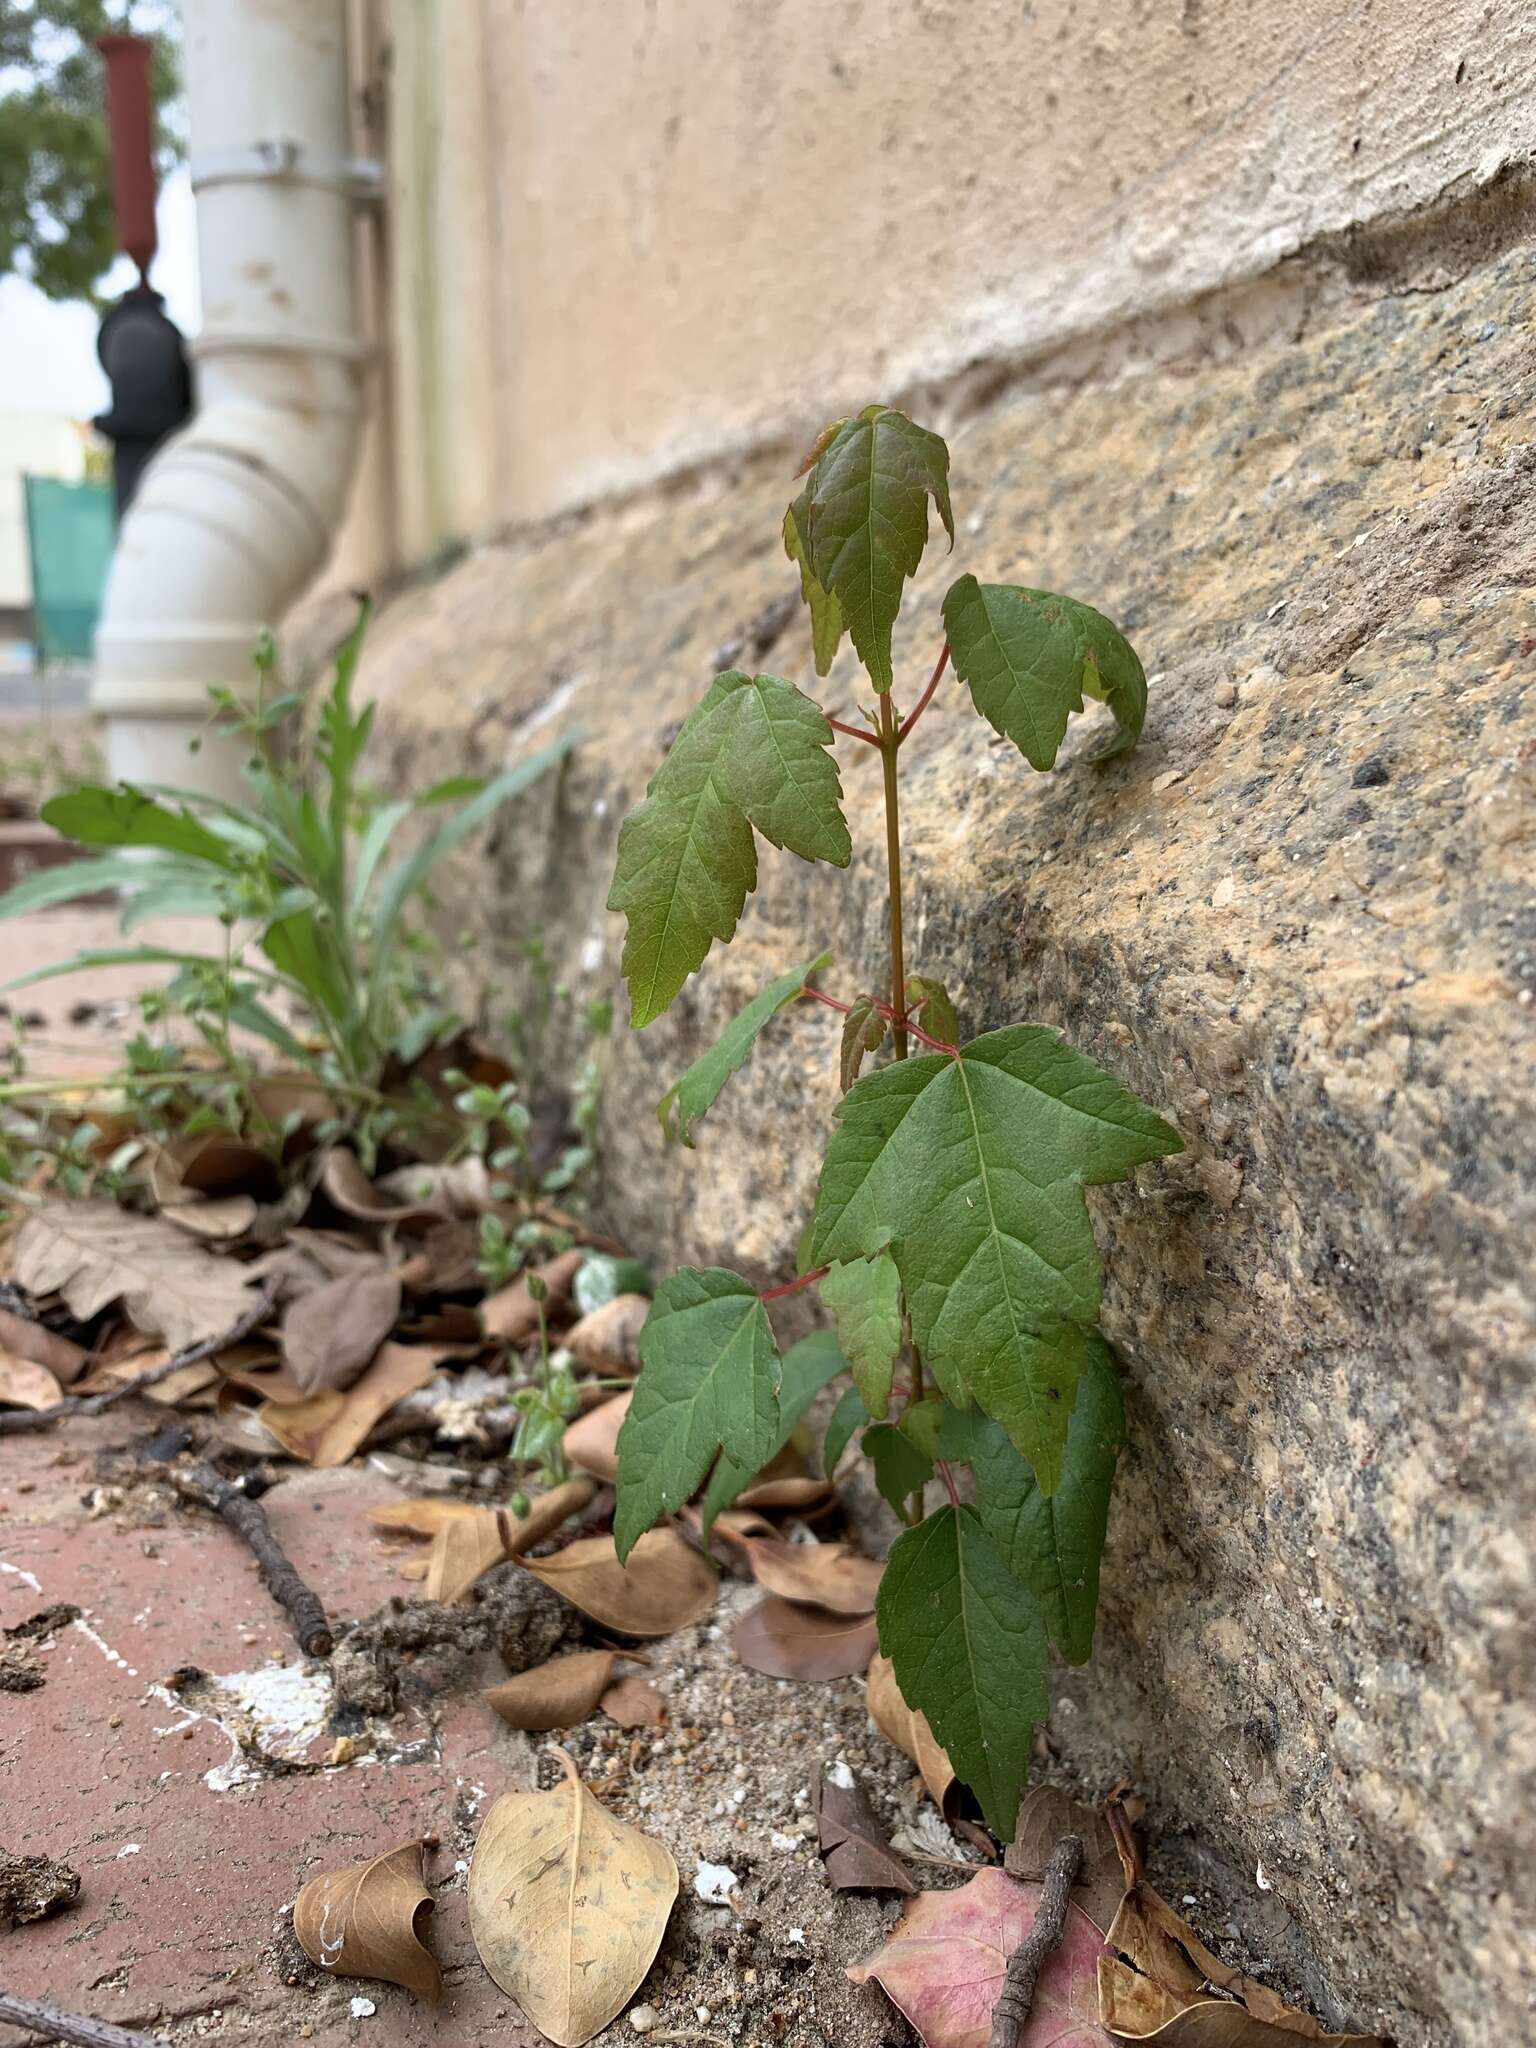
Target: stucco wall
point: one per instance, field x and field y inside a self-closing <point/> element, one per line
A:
<point x="627" y="237"/>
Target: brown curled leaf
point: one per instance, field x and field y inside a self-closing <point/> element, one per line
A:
<point x="368" y="1920"/>
<point x="853" y="1844"/>
<point x="785" y="1641"/>
<point x="665" y="1585"/>
<point x="561" y="1693"/>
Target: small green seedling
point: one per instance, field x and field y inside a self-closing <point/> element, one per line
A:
<point x="950" y="1239"/>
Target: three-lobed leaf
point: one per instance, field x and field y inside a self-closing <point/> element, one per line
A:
<point x="694" y="1094"/>
<point x="865" y="1299"/>
<point x="754" y="754"/>
<point x="970" y="1171"/>
<point x="863" y="520"/>
<point x="901" y="1466"/>
<point x="1029" y="657"/>
<point x="1052" y="1544"/>
<point x="826" y="613"/>
<point x="969" y="1650"/>
<point x="709" y="1384"/>
<point x="807" y="1367"/>
<point x="864" y="1030"/>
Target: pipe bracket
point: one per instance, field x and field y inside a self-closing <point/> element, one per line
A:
<point x="278" y="159"/>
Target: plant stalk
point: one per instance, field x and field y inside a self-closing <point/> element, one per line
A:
<point x="889" y="741"/>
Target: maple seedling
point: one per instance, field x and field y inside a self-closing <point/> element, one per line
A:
<point x="950" y="1238"/>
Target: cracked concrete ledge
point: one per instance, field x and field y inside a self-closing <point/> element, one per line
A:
<point x="1299" y="919"/>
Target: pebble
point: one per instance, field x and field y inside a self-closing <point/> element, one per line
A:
<point x="1226" y="694"/>
<point x="643" y="2018"/>
<point x="363" y="2008"/>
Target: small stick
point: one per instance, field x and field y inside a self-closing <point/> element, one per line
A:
<point x="248" y="1519"/>
<point x="72" y="2026"/>
<point x="1029" y="1958"/>
<point x="18" y="1421"/>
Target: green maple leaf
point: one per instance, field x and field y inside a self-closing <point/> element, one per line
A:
<point x="849" y="1414"/>
<point x="929" y="1001"/>
<point x="695" y="1093"/>
<point x="1052" y="1544"/>
<point x="864" y="1032"/>
<point x="863" y="517"/>
<point x="865" y="1298"/>
<point x="755" y="753"/>
<point x="970" y="1171"/>
<point x="808" y="1366"/>
<point x="901" y="1466"/>
<point x="969" y="1649"/>
<point x="709" y="1382"/>
<point x="1030" y="657"/>
<point x="826" y="612"/>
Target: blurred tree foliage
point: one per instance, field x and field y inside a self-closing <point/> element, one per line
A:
<point x="55" y="190"/>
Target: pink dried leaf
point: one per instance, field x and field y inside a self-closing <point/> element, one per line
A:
<point x="944" y="1967"/>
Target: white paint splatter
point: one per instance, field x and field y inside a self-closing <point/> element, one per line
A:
<point x="106" y="1649"/>
<point x="19" y="1572"/>
<point x="838" y="1774"/>
<point x="128" y="1849"/>
<point x="797" y="1937"/>
<point x="363" y="2008"/>
<point x="1261" y="1880"/>
<point x="714" y="1883"/>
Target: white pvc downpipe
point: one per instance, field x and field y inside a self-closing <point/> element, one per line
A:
<point x="237" y="512"/>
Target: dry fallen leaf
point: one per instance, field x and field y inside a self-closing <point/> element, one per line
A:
<point x="795" y="1489"/>
<point x="459" y="1188"/>
<point x="354" y="1194"/>
<point x="853" y="1844"/>
<point x="561" y="1693"/>
<point x="23" y="1339"/>
<point x="465" y="1547"/>
<point x="25" y="1384"/>
<point x="220" y="1219"/>
<point x="785" y="1641"/>
<point x="567" y="1906"/>
<point x="910" y="1733"/>
<point x="592" y="1440"/>
<point x="1156" y="1979"/>
<point x="1045" y="1816"/>
<point x="94" y="1254"/>
<point x="421" y="1517"/>
<point x="367" y="1921"/>
<point x="634" y="1703"/>
<point x="330" y="1334"/>
<point x="944" y="1965"/>
<point x="327" y="1428"/>
<point x="463" y="1551"/>
<point x="607" y="1339"/>
<point x="513" y="1314"/>
<point x="665" y="1585"/>
<point x="826" y="1575"/>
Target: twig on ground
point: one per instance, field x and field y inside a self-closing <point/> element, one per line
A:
<point x="248" y="1519"/>
<point x="37" y="2018"/>
<point x="19" y="1421"/>
<point x="1029" y="1958"/>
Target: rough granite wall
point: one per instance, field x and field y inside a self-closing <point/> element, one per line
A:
<point x="1301" y="919"/>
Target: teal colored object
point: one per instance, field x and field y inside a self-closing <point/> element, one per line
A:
<point x="70" y="535"/>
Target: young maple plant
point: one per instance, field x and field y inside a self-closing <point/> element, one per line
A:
<point x="950" y="1239"/>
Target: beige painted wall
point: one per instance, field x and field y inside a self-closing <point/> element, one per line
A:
<point x="627" y="235"/>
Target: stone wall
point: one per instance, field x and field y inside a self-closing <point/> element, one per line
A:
<point x="1300" y="919"/>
